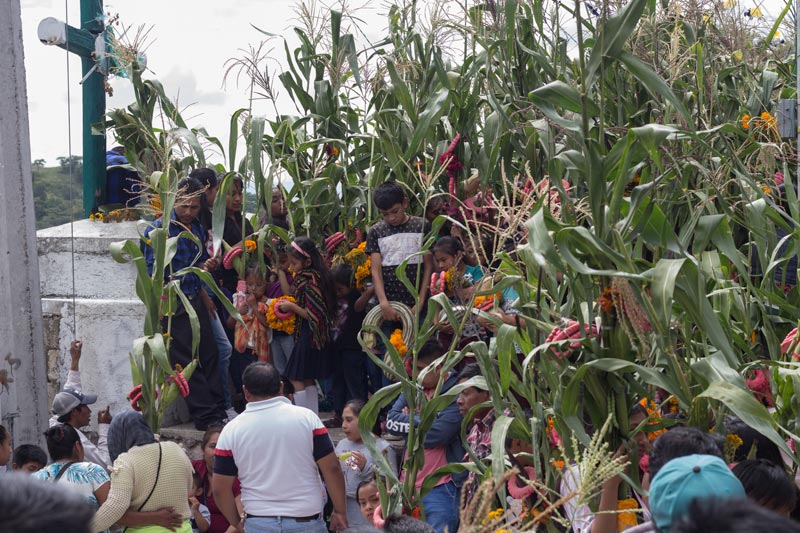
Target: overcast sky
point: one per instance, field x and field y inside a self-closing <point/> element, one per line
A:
<point x="189" y="44"/>
<point x="188" y="47"/>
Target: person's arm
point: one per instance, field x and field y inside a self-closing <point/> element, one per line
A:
<point x="74" y="375"/>
<point x="363" y="300"/>
<point x="118" y="500"/>
<point x="287" y="307"/>
<point x="446" y="427"/>
<point x="199" y="516"/>
<point x="334" y="482"/>
<point x="167" y="517"/>
<point x="398" y="419"/>
<point x="259" y="311"/>
<point x="286" y="287"/>
<point x="427" y="270"/>
<point x="605" y="520"/>
<point x="376" y="268"/>
<point x="225" y="471"/>
<point x="222" y="487"/>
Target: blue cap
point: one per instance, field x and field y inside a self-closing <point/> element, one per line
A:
<point x="685" y="479"/>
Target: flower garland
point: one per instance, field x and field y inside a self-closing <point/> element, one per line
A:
<point x="361" y="264"/>
<point x="278" y="320"/>
<point x="396" y="340"/>
<point x="654" y="417"/>
<point x="626" y="518"/>
<point x="485" y="302"/>
<point x="732" y="443"/>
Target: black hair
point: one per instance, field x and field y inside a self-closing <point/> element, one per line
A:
<point x="29" y="453"/>
<point x="449" y="245"/>
<point x="319" y="266"/>
<point x="355" y="405"/>
<point x="196" y="481"/>
<point x="714" y="515"/>
<point x="4" y="435"/>
<point x="254" y="270"/>
<point x="262" y="380"/>
<point x="205" y="176"/>
<point x="765" y="448"/>
<point x="342" y="275"/>
<point x="469" y="371"/>
<point x="369" y="481"/>
<point x="400" y="523"/>
<point x="61" y="441"/>
<point x="388" y="194"/>
<point x="188" y="186"/>
<point x="288" y="386"/>
<point x="767" y="484"/>
<point x="210" y="432"/>
<point x="679" y="442"/>
<point x="432" y="349"/>
<point x="65" y="511"/>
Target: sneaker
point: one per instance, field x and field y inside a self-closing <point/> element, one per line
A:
<point x="231" y="413"/>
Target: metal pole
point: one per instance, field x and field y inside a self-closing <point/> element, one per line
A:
<point x="94" y="109"/>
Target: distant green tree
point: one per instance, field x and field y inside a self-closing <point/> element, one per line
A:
<point x="38" y="163"/>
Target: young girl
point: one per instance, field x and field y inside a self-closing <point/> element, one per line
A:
<point x="368" y="499"/>
<point x="316" y="303"/>
<point x="350" y="376"/>
<point x="250" y="340"/>
<point x="356" y="461"/>
<point x="448" y="254"/>
<point x="280" y="349"/>
<point x="5" y="446"/>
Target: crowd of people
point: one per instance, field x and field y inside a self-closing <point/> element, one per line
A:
<point x="268" y="461"/>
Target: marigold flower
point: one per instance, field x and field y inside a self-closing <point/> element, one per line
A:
<point x="746" y="121"/>
<point x="396" y="340"/>
<point x="286" y="325"/>
<point x="626" y="520"/>
<point x="250" y="245"/>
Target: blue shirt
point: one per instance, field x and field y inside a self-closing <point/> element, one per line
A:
<point x="187" y="254"/>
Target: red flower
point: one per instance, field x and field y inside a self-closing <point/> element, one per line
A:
<point x="760" y="388"/>
<point x="644" y="463"/>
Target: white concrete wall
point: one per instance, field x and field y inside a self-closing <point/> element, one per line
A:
<point x="108" y="315"/>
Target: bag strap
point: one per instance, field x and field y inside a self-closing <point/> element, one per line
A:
<point x="158" y="472"/>
<point x="63" y="470"/>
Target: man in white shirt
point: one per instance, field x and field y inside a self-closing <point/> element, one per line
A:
<point x="278" y="451"/>
<point x="71" y="407"/>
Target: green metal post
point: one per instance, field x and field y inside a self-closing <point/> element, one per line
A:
<point x="94" y="109"/>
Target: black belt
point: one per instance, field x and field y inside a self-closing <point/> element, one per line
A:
<point x="295" y="518"/>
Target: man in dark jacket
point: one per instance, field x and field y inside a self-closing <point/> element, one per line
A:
<point x="442" y="441"/>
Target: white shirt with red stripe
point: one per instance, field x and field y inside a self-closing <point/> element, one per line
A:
<point x="273" y="446"/>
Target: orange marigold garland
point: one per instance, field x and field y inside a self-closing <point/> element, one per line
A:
<point x="627" y="519"/>
<point x="654" y="417"/>
<point x="396" y="340"/>
<point x="280" y="323"/>
<point x="486" y="301"/>
<point x="361" y="264"/>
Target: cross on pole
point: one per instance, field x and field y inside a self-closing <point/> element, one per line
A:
<point x="83" y="43"/>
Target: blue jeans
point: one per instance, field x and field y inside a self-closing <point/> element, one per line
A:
<point x="224" y="348"/>
<point x="441" y="507"/>
<point x="283" y="525"/>
<point x="280" y="349"/>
